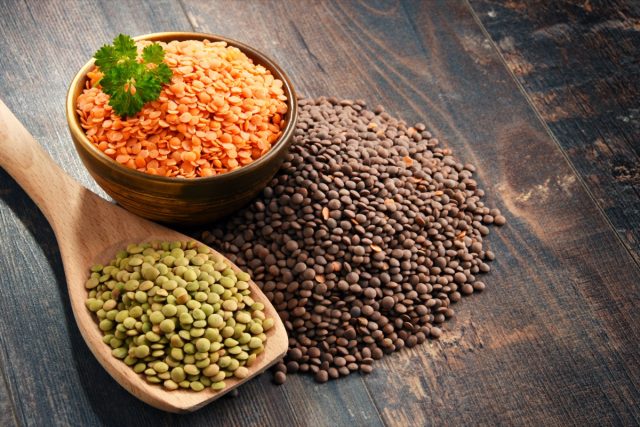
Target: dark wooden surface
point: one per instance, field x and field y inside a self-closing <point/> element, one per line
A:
<point x="554" y="338"/>
<point x="579" y="63"/>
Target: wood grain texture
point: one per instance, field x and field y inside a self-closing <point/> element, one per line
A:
<point x="7" y="407"/>
<point x="578" y="62"/>
<point x="539" y="330"/>
<point x="553" y="339"/>
<point x="78" y="391"/>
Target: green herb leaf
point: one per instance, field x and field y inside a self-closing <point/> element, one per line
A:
<point x="129" y="81"/>
<point x="125" y="47"/>
<point x="105" y="57"/>
<point x="163" y="72"/>
<point x="153" y="54"/>
<point x="149" y="87"/>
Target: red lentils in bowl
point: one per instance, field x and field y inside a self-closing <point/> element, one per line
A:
<point x="220" y="112"/>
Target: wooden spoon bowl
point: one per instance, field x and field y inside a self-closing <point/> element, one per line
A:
<point x="89" y="231"/>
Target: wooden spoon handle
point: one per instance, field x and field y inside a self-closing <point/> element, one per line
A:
<point x="55" y="192"/>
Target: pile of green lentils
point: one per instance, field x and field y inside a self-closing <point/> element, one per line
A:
<point x="177" y="313"/>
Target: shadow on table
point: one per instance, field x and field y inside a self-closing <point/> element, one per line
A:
<point x="109" y="402"/>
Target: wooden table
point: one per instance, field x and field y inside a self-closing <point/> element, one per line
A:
<point x="541" y="96"/>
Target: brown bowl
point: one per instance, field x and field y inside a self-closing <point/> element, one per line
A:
<point x="183" y="200"/>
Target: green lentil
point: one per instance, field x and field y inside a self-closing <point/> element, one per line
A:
<point x="198" y="314"/>
<point x="203" y="345"/>
<point x="250" y="360"/>
<point x="196" y="332"/>
<point x="136" y="312"/>
<point x="235" y="364"/>
<point x="234" y="350"/>
<point x="227" y="332"/>
<point x="153" y="379"/>
<point x="198" y="260"/>
<point x="186" y="319"/>
<point x="216" y="321"/>
<point x="241" y="372"/>
<point x="192" y="304"/>
<point x="196" y="386"/>
<point x="255" y="342"/>
<point x="106" y="325"/>
<point x="224" y="361"/>
<point x="211" y="370"/>
<point x="142" y="351"/>
<point x="176" y="341"/>
<point x="94" y="304"/>
<point x="219" y="376"/>
<point x="201" y="364"/>
<point x="167" y="326"/>
<point x="169" y="310"/>
<point x="230" y="342"/>
<point x="91" y="283"/>
<point x="152" y="336"/>
<point x="161" y="367"/>
<point x="156" y="317"/>
<point x="109" y="305"/>
<point x="129" y="323"/>
<point x="119" y="352"/>
<point x="146" y="285"/>
<point x="268" y="324"/>
<point x="243" y="317"/>
<point x="131" y="285"/>
<point x="199" y="323"/>
<point x="141" y="297"/>
<point x="170" y="385"/>
<point x="255" y="328"/>
<point x="217" y="386"/>
<point x="177" y="374"/>
<point x="177" y="313"/>
<point x="177" y="354"/>
<point x="191" y="369"/>
<point x="230" y="305"/>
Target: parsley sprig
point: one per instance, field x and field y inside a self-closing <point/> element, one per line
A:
<point x="130" y="81"/>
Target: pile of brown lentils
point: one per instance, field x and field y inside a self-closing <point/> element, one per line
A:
<point x="364" y="239"/>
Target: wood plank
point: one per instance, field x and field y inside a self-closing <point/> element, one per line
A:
<point x="55" y="376"/>
<point x="51" y="375"/>
<point x="505" y="361"/>
<point x="556" y="317"/>
<point x="554" y="337"/>
<point x="206" y="17"/>
<point x="578" y="62"/>
<point x="8" y="411"/>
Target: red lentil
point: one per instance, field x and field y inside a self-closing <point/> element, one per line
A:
<point x="220" y="112"/>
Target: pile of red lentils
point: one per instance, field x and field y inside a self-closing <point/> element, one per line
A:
<point x="220" y="112"/>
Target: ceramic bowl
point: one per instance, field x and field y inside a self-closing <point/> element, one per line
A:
<point x="183" y="200"/>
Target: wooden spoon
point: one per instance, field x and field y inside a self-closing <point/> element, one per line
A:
<point x="89" y="231"/>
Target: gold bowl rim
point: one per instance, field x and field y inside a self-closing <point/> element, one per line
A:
<point x="292" y="113"/>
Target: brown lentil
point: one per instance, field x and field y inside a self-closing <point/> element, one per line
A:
<point x="363" y="240"/>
